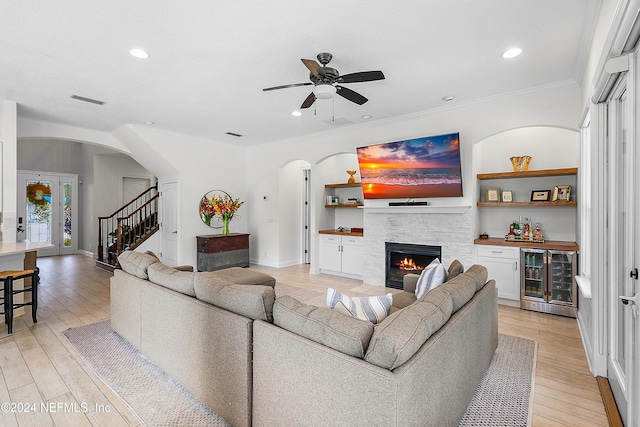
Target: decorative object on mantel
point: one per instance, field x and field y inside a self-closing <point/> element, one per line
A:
<point x="352" y="179"/>
<point x="484" y="235"/>
<point x="520" y="163"/>
<point x="217" y="208"/>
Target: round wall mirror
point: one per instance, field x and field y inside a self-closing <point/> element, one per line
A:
<point x="206" y="214"/>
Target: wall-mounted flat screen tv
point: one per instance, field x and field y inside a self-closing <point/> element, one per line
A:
<point x="414" y="168"/>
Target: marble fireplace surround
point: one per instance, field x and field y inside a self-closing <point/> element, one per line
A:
<point x="450" y="227"/>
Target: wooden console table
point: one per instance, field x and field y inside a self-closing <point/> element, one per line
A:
<point x="218" y="251"/>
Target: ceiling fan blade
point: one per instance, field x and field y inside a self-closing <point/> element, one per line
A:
<point x="363" y="76"/>
<point x="309" y="101"/>
<point x="350" y="95"/>
<point x="286" y="86"/>
<point x="314" y="67"/>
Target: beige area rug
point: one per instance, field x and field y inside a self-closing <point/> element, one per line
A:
<point x="504" y="397"/>
<point x="156" y="398"/>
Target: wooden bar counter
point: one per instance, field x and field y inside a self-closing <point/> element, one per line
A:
<point x="557" y="245"/>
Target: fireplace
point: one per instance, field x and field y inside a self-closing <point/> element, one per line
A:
<point x="405" y="258"/>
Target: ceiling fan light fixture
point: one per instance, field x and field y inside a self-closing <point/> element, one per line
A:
<point x="296" y="113"/>
<point x="325" y="91"/>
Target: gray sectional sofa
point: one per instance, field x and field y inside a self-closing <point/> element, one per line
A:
<point x="418" y="367"/>
<point x="197" y="327"/>
<point x="261" y="361"/>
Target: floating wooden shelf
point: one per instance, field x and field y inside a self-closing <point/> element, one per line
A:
<point x="355" y="184"/>
<point x="529" y="174"/>
<point x="558" y="204"/>
<point x="344" y="206"/>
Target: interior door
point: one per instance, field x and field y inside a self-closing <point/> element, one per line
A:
<point x="623" y="249"/>
<point x="168" y="216"/>
<point x="47" y="211"/>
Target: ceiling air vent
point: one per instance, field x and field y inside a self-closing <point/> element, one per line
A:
<point x="92" y="101"/>
<point x="234" y="134"/>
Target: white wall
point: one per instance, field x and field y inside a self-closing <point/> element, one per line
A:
<point x="99" y="187"/>
<point x="9" y="138"/>
<point x="554" y="106"/>
<point x="289" y="222"/>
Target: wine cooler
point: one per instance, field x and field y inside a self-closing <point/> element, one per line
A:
<point x="548" y="281"/>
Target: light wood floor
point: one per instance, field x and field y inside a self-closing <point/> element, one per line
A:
<point x="37" y="366"/>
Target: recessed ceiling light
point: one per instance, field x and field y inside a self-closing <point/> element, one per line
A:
<point x="511" y="53"/>
<point x="365" y="117"/>
<point x="150" y="123"/>
<point x="139" y="53"/>
<point x="296" y="113"/>
<point x="448" y="98"/>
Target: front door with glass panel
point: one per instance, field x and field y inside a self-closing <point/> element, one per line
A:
<point x="47" y="211"/>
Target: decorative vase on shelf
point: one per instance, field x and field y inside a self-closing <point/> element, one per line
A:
<point x="351" y="180"/>
<point x="225" y="225"/>
<point x="520" y="163"/>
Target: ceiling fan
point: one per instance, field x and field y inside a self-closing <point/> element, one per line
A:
<point x="325" y="80"/>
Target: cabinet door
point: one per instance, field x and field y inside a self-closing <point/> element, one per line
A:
<point x="330" y="255"/>
<point x="352" y="255"/>
<point x="505" y="271"/>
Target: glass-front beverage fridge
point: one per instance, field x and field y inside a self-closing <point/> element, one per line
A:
<point x="548" y="281"/>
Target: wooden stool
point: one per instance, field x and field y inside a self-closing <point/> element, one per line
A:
<point x="7" y="278"/>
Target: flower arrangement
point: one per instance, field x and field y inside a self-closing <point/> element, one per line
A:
<point x="223" y="206"/>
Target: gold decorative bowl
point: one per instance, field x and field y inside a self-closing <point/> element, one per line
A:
<point x="520" y="163"/>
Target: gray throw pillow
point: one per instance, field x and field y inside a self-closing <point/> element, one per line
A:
<point x="331" y="328"/>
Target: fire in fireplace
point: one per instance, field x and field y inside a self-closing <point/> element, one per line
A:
<point x="405" y="258"/>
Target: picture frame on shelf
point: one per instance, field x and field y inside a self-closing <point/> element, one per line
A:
<point x="492" y="194"/>
<point x="507" y="196"/>
<point x="540" y="195"/>
<point x="561" y="193"/>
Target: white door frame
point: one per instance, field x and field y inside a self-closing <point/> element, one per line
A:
<point x="622" y="358"/>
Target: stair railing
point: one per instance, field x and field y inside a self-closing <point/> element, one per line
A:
<point x="123" y="227"/>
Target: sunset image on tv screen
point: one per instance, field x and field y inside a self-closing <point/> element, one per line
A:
<point x="414" y="168"/>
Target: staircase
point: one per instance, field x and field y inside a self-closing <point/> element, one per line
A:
<point x="127" y="228"/>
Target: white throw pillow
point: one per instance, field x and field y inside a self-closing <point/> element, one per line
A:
<point x="433" y="275"/>
<point x="373" y="309"/>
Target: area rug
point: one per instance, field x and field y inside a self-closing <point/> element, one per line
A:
<point x="502" y="398"/>
<point x="155" y="398"/>
<point x="505" y="394"/>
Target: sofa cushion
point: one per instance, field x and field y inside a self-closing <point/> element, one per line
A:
<point x="328" y="327"/>
<point x="403" y="299"/>
<point x="136" y="263"/>
<point x="252" y="301"/>
<point x="374" y="308"/>
<point x="432" y="276"/>
<point x="179" y="281"/>
<point x="396" y="339"/>
<point x="455" y="268"/>
<point x="461" y="290"/>
<point x="244" y="276"/>
<point x="478" y="273"/>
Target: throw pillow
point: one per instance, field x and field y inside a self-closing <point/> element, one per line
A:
<point x="433" y="275"/>
<point x="374" y="309"/>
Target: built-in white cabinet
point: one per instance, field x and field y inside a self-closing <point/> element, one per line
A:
<point x="503" y="265"/>
<point x="341" y="255"/>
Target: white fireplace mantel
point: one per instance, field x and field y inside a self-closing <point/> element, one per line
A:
<point x="453" y="209"/>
